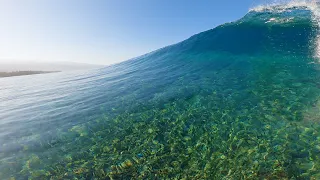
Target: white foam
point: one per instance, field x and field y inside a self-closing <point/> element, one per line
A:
<point x="285" y="5"/>
<point x="280" y="20"/>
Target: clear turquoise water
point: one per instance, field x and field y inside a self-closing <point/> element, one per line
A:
<point x="240" y="101"/>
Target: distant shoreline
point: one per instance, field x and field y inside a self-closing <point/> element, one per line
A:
<point x="24" y="73"/>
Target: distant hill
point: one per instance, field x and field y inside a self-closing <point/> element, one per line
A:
<point x="38" y="66"/>
<point x="23" y="73"/>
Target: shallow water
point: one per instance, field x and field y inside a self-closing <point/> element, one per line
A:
<point x="240" y="101"/>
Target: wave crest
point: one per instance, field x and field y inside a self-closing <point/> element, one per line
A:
<point x="288" y="7"/>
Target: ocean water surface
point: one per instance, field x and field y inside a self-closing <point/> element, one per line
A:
<point x="240" y="101"/>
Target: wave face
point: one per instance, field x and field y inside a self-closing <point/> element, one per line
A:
<point x="240" y="101"/>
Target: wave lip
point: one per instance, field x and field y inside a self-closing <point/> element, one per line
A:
<point x="241" y="87"/>
<point x="285" y="6"/>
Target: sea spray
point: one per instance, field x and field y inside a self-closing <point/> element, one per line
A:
<point x="239" y="101"/>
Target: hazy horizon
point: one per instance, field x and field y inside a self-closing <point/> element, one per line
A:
<point x="45" y="66"/>
<point x="10" y="61"/>
<point x="104" y="32"/>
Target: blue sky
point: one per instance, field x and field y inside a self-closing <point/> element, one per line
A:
<point x="105" y="31"/>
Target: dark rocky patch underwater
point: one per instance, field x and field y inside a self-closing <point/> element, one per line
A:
<point x="240" y="101"/>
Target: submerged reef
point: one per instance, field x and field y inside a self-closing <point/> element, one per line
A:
<point x="191" y="138"/>
<point x="241" y="101"/>
<point x="230" y="124"/>
<point x="262" y="125"/>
